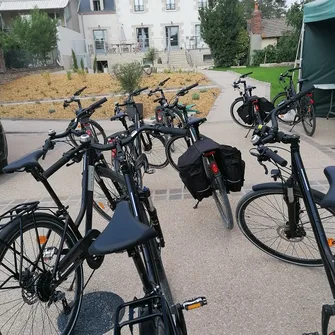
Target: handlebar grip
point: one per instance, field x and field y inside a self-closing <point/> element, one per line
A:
<point x="191" y="86"/>
<point x="136" y="92"/>
<point x="79" y="91"/>
<point x="279" y="160"/>
<point x="97" y="104"/>
<point x="163" y="81"/>
<point x="246" y="74"/>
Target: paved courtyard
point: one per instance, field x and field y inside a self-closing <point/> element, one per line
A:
<point x="248" y="292"/>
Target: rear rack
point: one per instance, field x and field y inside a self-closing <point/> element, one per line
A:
<point x="17" y="212"/>
<point x="149" y="303"/>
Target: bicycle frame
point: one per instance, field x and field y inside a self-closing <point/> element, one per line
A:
<point x="299" y="176"/>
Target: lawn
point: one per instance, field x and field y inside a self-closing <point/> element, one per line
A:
<point x="36" y="88"/>
<point x="268" y="74"/>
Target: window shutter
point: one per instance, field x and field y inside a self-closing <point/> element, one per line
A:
<point x="91" y="5"/>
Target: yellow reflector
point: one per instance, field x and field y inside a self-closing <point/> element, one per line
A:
<point x="101" y="205"/>
<point x="331" y="242"/>
<point x="260" y="126"/>
<point x="42" y="239"/>
<point x="194" y="306"/>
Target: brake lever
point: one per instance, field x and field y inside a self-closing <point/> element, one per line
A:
<point x="265" y="167"/>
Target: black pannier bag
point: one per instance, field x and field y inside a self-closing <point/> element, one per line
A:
<point x="192" y="171"/>
<point x="246" y="111"/>
<point x="232" y="167"/>
<point x="265" y="107"/>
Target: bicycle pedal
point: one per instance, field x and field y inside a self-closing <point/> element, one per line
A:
<point x="150" y="171"/>
<point x="194" y="303"/>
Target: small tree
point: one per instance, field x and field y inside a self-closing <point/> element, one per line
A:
<point x="95" y="64"/>
<point x="82" y="64"/>
<point x="37" y="34"/>
<point x="221" y="24"/>
<point x="128" y="75"/>
<point x="74" y="60"/>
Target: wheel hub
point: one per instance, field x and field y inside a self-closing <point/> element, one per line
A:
<point x="284" y="233"/>
<point x="43" y="286"/>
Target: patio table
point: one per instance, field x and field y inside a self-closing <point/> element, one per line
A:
<point x="327" y="87"/>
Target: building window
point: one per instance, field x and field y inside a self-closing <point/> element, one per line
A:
<point x="142" y="38"/>
<point x="202" y="3"/>
<point x="96" y="5"/>
<point x="170" y="4"/>
<point x="138" y="6"/>
<point x="207" y="58"/>
<point x="199" y="42"/>
<point x="99" y="37"/>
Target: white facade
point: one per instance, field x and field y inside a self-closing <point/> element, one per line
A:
<point x="152" y="22"/>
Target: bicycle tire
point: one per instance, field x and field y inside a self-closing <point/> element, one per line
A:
<point x="172" y="148"/>
<point x="75" y="141"/>
<point x="160" y="163"/>
<point x="245" y="222"/>
<point x="224" y="208"/>
<point x="153" y="326"/>
<point x="276" y="100"/>
<point x="11" y="235"/>
<point x="310" y="114"/>
<point x="236" y="119"/>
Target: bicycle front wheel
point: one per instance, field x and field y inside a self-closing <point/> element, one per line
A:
<point x="29" y="304"/>
<point x="93" y="129"/>
<point x="308" y="116"/>
<point x="262" y="216"/>
<point x="222" y="202"/>
<point x="289" y="116"/>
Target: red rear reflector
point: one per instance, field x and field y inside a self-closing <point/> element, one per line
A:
<point x="206" y="154"/>
<point x="215" y="168"/>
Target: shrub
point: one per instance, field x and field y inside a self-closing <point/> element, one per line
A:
<point x="52" y="110"/>
<point x="128" y="75"/>
<point x="167" y="70"/>
<point x="195" y="96"/>
<point x="151" y="55"/>
<point x="82" y="64"/>
<point x="93" y="99"/>
<point x="203" y="90"/>
<point x="37" y="102"/>
<point x="95" y="64"/>
<point x="69" y="75"/>
<point x="82" y="74"/>
<point x="74" y="60"/>
<point x="46" y="76"/>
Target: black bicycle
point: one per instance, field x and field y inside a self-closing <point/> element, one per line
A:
<point x="42" y="250"/>
<point x="289" y="220"/>
<point x="301" y="110"/>
<point x="245" y="94"/>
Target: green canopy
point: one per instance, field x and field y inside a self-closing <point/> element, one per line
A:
<point x="319" y="10"/>
<point x="318" y="49"/>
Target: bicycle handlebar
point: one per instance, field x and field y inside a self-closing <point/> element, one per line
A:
<point x="164" y="81"/>
<point x="245" y="75"/>
<point x="96" y="104"/>
<point x="138" y="91"/>
<point x="272" y="131"/>
<point x="154" y="128"/>
<point x="79" y="91"/>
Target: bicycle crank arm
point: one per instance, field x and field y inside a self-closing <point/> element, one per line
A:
<point x="194" y="303"/>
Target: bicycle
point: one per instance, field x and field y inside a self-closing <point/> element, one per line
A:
<point x="209" y="170"/>
<point x="88" y="125"/>
<point x="134" y="228"/>
<point x="302" y="110"/>
<point x="245" y="94"/>
<point x="148" y="142"/>
<point x="298" y="199"/>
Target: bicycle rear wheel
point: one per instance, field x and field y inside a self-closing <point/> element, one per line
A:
<point x="24" y="306"/>
<point x="154" y="148"/>
<point x="290" y="112"/>
<point x="175" y="147"/>
<point x="262" y="216"/>
<point x="233" y="112"/>
<point x="222" y="202"/>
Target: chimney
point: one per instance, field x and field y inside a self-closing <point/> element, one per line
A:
<point x="256" y="21"/>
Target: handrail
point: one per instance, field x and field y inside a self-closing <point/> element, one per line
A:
<point x="188" y="56"/>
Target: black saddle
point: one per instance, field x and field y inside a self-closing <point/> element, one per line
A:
<point x="250" y="87"/>
<point x="27" y="162"/>
<point x="122" y="233"/>
<point x="329" y="198"/>
<point x="196" y="121"/>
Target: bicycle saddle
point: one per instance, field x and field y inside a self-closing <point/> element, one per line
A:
<point x="27" y="162"/>
<point x="329" y="198"/>
<point x="196" y="121"/>
<point x="250" y="87"/>
<point x="122" y="233"/>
